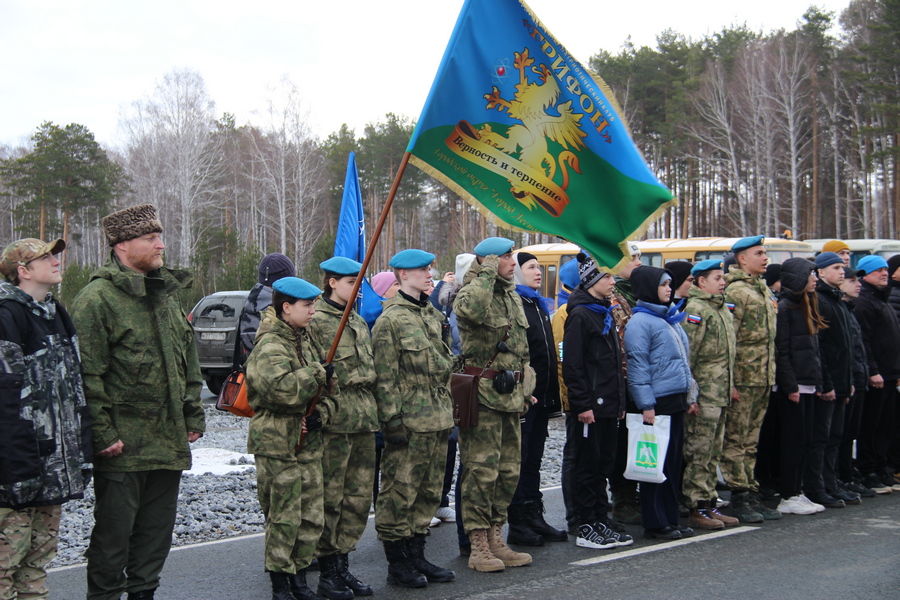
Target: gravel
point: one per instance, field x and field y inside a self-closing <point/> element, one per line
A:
<point x="212" y="507"/>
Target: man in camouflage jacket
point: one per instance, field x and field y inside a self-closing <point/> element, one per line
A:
<point x="142" y="382"/>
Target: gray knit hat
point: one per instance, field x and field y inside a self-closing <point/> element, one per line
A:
<point x="130" y="223"/>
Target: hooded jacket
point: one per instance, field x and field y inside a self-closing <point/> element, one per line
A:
<point x="880" y="331"/>
<point x="542" y="354"/>
<point x="835" y="343"/>
<point x="259" y="298"/>
<point x="754" y="327"/>
<point x="45" y="430"/>
<point x="141" y="373"/>
<point x="710" y="330"/>
<point x="796" y="349"/>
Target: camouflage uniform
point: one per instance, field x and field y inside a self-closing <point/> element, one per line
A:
<point x="142" y="383"/>
<point x="710" y="329"/>
<point x="490" y="451"/>
<point x="283" y="375"/>
<point x="754" y="375"/>
<point x="412" y="366"/>
<point x="45" y="446"/>
<point x="348" y="463"/>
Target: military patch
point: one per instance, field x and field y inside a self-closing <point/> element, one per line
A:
<point x="730" y="306"/>
<point x="695" y="319"/>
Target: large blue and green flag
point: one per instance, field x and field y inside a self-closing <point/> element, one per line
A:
<point x="524" y="132"/>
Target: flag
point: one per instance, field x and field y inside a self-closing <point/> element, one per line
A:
<point x="350" y="241"/>
<point x="530" y="137"/>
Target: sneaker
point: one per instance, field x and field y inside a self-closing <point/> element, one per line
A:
<point x="811" y="504"/>
<point x="827" y="500"/>
<point x="891" y="480"/>
<point x="857" y="488"/>
<point x="446" y="514"/>
<point x="589" y="536"/>
<point x="873" y="482"/>
<point x="434" y="522"/>
<point x="842" y="493"/>
<point x="795" y="506"/>
<point x="621" y="539"/>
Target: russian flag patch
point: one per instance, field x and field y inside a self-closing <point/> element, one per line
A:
<point x="695" y="319"/>
<point x="730" y="306"/>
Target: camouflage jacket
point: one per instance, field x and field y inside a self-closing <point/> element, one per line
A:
<point x="354" y="366"/>
<point x="624" y="292"/>
<point x="484" y="307"/>
<point x="141" y="372"/>
<point x="412" y="366"/>
<point x="45" y="430"/>
<point x="710" y="329"/>
<point x="283" y="375"/>
<point x="754" y="327"/>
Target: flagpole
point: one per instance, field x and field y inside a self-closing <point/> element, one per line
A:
<point x="359" y="279"/>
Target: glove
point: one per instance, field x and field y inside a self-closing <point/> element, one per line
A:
<point x="314" y="421"/>
<point x="395" y="432"/>
<point x="490" y="263"/>
<point x="329" y="370"/>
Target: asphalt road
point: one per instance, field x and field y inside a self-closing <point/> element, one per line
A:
<point x="842" y="554"/>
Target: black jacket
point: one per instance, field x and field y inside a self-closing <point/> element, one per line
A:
<point x="592" y="361"/>
<point x="858" y="352"/>
<point x="796" y="349"/>
<point x="542" y="352"/>
<point x="835" y="343"/>
<point x="880" y="331"/>
<point x="894" y="296"/>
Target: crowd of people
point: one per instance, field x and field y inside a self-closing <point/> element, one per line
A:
<point x="780" y="378"/>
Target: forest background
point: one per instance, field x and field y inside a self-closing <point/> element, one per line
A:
<point x="754" y="133"/>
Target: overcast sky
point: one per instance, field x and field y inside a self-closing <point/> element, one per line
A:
<point x="85" y="61"/>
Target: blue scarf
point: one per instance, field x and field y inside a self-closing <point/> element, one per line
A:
<point x="527" y="292"/>
<point x="672" y="316"/>
<point x="601" y="310"/>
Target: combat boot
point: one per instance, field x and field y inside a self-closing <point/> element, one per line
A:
<point x="701" y="519"/>
<point x="400" y="569"/>
<point x="715" y="513"/>
<point x="331" y="584"/>
<point x="740" y="506"/>
<point x="299" y="588"/>
<point x="480" y="557"/>
<point x="359" y="588"/>
<point x="535" y="513"/>
<point x="500" y="550"/>
<point x="769" y="514"/>
<point x="626" y="504"/>
<point x="520" y="531"/>
<point x="281" y="586"/>
<point x="142" y="595"/>
<point x="415" y="547"/>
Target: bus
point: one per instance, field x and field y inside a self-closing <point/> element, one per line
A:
<point x="860" y="248"/>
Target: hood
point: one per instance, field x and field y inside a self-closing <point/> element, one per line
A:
<point x="270" y="323"/>
<point x="133" y="283"/>
<point x="12" y="293"/>
<point x="645" y="283"/>
<point x="448" y="293"/>
<point x="716" y="300"/>
<point x="795" y="274"/>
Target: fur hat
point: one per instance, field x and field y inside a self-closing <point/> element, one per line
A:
<point x="130" y="223"/>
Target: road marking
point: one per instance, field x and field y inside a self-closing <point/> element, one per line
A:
<point x="663" y="546"/>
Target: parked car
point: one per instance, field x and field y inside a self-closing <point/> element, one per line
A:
<point x="215" y="320"/>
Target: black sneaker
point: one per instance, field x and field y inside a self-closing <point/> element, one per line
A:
<point x="849" y="498"/>
<point x="590" y="536"/>
<point x="873" y="482"/>
<point x="858" y="488"/>
<point x="826" y="500"/>
<point x="621" y="539"/>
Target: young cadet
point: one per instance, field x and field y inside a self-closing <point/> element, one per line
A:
<point x="412" y="368"/>
<point x="348" y="462"/>
<point x="284" y="373"/>
<point x="45" y="442"/>
<point x="710" y="330"/>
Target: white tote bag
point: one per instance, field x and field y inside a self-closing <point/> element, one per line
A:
<point x="647" y="445"/>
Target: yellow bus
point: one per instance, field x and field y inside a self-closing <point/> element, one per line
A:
<point x="860" y="248"/>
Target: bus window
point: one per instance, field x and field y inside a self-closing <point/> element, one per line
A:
<point x="549" y="282"/>
<point x="651" y="259"/>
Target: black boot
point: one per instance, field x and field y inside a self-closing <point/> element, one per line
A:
<point x="331" y="584"/>
<point x="142" y="595"/>
<point x="299" y="588"/>
<point x="433" y="573"/>
<point x="400" y="569"/>
<point x="534" y="515"/>
<point x="281" y="586"/>
<point x="520" y="532"/>
<point x="359" y="588"/>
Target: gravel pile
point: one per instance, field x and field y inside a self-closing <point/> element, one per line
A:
<point x="212" y="507"/>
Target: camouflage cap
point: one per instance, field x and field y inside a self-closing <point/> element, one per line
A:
<point x="130" y="223"/>
<point x="22" y="252"/>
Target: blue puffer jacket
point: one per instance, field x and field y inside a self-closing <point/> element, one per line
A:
<point x="657" y="363"/>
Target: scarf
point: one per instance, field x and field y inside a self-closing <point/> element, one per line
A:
<point x="672" y="316"/>
<point x="601" y="310"/>
<point x="527" y="292"/>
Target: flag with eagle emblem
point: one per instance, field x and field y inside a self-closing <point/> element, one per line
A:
<point x="520" y="129"/>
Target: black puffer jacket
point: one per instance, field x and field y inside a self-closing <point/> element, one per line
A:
<point x="835" y="342"/>
<point x="542" y="351"/>
<point x="796" y="349"/>
<point x="592" y="361"/>
<point x="880" y="331"/>
<point x="858" y="352"/>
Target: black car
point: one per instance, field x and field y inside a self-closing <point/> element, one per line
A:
<point x="215" y="320"/>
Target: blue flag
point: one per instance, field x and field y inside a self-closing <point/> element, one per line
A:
<point x="350" y="241"/>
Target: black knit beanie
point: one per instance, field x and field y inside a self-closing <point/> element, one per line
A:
<point x="275" y="266"/>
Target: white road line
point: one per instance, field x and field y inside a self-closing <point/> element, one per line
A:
<point x="663" y="546"/>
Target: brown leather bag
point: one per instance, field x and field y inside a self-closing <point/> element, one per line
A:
<point x="464" y="389"/>
<point x="233" y="395"/>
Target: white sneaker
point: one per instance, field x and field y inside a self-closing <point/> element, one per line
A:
<point x="808" y="502"/>
<point x="446" y="514"/>
<point x="795" y="506"/>
<point x="434" y="522"/>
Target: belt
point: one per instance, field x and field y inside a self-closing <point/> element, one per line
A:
<point x="489" y="373"/>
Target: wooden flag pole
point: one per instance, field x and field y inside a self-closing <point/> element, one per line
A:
<point x="359" y="279"/>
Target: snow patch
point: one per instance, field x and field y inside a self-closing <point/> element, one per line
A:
<point x="219" y="461"/>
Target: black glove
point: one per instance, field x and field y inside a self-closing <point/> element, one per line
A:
<point x="395" y="432"/>
<point x="329" y="370"/>
<point x="314" y="421"/>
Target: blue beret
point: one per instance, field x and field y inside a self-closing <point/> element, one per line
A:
<point x="494" y="245"/>
<point x="411" y="259"/>
<point x="296" y="288"/>
<point x="870" y="263"/>
<point x="341" y="266"/>
<point x="826" y="259"/>
<point x="747" y="242"/>
<point x="568" y="274"/>
<point x="707" y="265"/>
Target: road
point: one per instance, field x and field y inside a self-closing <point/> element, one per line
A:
<point x="842" y="554"/>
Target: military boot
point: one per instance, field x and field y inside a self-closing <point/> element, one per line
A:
<point x="626" y="504"/>
<point x="480" y="557"/>
<point x="400" y="570"/>
<point x="331" y="584"/>
<point x="142" y="595"/>
<point x="520" y="531"/>
<point x="534" y="512"/>
<point x="716" y="513"/>
<point x="500" y="550"/>
<point x="740" y="506"/>
<point x="359" y="588"/>
<point x="769" y="514"/>
<point x="299" y="587"/>
<point x="416" y="548"/>
<point x="701" y="519"/>
<point x="281" y="586"/>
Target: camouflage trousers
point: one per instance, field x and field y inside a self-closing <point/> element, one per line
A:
<point x="290" y="494"/>
<point x="348" y="469"/>
<point x="29" y="540"/>
<point x="742" y="422"/>
<point x="490" y="453"/>
<point x="704" y="435"/>
<point x="412" y="478"/>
